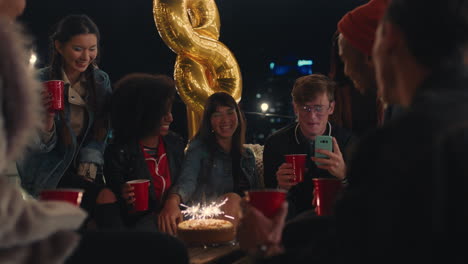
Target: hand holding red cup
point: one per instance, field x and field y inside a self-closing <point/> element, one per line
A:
<point x="140" y="188"/>
<point x="268" y="201"/>
<point x="298" y="162"/>
<point x="55" y="89"/>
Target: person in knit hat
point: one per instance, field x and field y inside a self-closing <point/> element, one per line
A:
<point x="354" y="110"/>
<point x="357" y="33"/>
<point x="355" y="40"/>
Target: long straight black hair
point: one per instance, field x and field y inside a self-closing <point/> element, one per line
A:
<point x="205" y="132"/>
<point x="67" y="28"/>
<point x="207" y="135"/>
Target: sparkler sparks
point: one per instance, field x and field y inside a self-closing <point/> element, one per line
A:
<point x="204" y="211"/>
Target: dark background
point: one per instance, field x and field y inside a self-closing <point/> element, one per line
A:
<point x="256" y="31"/>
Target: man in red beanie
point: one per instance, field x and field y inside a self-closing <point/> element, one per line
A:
<point x="357" y="34"/>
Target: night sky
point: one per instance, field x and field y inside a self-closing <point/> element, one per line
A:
<point x="256" y="31"/>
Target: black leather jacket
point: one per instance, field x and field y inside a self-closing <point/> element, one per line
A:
<point x="125" y="162"/>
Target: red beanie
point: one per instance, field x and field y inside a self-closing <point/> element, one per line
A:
<point x="358" y="26"/>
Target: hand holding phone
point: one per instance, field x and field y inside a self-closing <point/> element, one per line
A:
<point x="323" y="142"/>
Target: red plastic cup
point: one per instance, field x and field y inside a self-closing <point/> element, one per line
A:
<point x="55" y="88"/>
<point x="72" y="196"/>
<point x="141" y="194"/>
<point x="268" y="201"/>
<point x="298" y="162"/>
<point x="326" y="191"/>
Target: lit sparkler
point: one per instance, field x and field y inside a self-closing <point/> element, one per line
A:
<point x="204" y="211"/>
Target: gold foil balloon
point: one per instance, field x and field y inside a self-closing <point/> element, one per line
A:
<point x="203" y="65"/>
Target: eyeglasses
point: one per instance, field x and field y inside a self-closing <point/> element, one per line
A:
<point x="317" y="109"/>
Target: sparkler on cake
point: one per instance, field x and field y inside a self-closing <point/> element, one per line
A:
<point x="204" y="211"/>
<point x="201" y="228"/>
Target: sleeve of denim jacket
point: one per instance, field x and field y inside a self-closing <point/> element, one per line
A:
<point x="44" y="142"/>
<point x="92" y="153"/>
<point x="39" y="141"/>
<point x="256" y="181"/>
<point x="105" y="89"/>
<point x="191" y="167"/>
<point x="93" y="150"/>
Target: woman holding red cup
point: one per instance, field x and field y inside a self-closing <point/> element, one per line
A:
<point x="144" y="159"/>
<point x="68" y="152"/>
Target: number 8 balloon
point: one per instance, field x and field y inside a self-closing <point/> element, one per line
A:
<point x="204" y="65"/>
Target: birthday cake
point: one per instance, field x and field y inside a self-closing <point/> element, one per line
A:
<point x="206" y="231"/>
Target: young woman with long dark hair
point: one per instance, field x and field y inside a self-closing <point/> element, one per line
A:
<point x="216" y="165"/>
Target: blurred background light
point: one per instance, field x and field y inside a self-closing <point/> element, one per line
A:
<point x="264" y="107"/>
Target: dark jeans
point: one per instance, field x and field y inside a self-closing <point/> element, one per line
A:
<point x="128" y="247"/>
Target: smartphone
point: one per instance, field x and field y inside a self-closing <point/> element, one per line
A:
<point x="323" y="142"/>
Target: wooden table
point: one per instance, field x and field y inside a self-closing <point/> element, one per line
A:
<point x="222" y="254"/>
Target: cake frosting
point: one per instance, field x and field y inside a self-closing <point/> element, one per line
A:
<point x="206" y="231"/>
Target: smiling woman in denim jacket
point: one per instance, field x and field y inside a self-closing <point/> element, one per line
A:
<point x="68" y="150"/>
<point x="216" y="165"/>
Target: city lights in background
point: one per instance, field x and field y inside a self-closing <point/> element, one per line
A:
<point x="305" y="66"/>
<point x="264" y="107"/>
<point x="272" y="102"/>
<point x="302" y="66"/>
<point x="32" y="59"/>
<point x="278" y="69"/>
<point x="301" y="63"/>
<point x="272" y="65"/>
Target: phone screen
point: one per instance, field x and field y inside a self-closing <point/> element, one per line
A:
<point x="323" y="142"/>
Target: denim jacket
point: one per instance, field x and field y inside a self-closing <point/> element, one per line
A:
<point x="207" y="176"/>
<point x="44" y="164"/>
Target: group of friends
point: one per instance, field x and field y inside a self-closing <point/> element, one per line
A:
<point x="404" y="172"/>
<point x="405" y="195"/>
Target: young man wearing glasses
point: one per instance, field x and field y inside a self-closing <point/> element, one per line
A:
<point x="313" y="103"/>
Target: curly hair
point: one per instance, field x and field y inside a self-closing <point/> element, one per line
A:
<point x="139" y="102"/>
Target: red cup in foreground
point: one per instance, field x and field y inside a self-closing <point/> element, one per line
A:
<point x="326" y="191"/>
<point x="141" y="194"/>
<point x="298" y="162"/>
<point x="268" y="201"/>
<point x="72" y="196"/>
<point x="55" y="88"/>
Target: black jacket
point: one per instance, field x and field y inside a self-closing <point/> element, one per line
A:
<point x="125" y="162"/>
<point x="289" y="140"/>
<point x="408" y="180"/>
